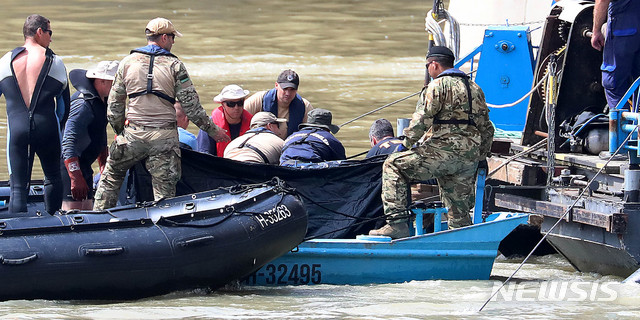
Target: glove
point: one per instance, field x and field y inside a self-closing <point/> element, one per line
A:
<point x="79" y="188"/>
<point x="102" y="158"/>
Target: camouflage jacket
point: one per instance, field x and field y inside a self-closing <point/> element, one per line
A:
<point x="446" y="99"/>
<point x="169" y="77"/>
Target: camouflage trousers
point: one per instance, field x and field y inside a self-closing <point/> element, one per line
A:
<point x="455" y="176"/>
<point x="160" y="150"/>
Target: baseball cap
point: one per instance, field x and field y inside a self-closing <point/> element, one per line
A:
<point x="231" y="92"/>
<point x="263" y="118"/>
<point x="105" y="70"/>
<point x="161" y="26"/>
<point x="440" y="51"/>
<point x="288" y="79"/>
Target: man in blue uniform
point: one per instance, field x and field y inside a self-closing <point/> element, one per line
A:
<point x="621" y="55"/>
<point x="314" y="142"/>
<point x="34" y="82"/>
<point x="85" y="134"/>
<point x="382" y="139"/>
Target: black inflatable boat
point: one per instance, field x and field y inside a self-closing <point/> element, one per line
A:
<point x="204" y="239"/>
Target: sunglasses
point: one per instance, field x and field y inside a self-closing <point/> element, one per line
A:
<point x="49" y="31"/>
<point x="173" y="36"/>
<point x="233" y="104"/>
<point x="429" y="63"/>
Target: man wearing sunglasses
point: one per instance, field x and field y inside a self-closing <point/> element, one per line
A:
<point x="283" y="101"/>
<point x="34" y="82"/>
<point x="230" y="116"/>
<point x="152" y="79"/>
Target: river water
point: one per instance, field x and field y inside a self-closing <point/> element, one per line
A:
<point x="352" y="56"/>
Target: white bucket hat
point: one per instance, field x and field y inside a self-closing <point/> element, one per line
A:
<point x="231" y="92"/>
<point x="105" y="70"/>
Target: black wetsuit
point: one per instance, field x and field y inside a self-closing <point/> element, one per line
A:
<point x="35" y="129"/>
<point x="85" y="133"/>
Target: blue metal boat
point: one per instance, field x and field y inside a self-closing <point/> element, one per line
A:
<point x="460" y="254"/>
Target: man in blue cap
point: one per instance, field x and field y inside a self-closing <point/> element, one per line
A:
<point x="454" y="109"/>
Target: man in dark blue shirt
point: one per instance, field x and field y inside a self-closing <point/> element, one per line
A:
<point x="85" y="133"/>
<point x="382" y="139"/>
<point x="314" y="142"/>
<point x="621" y="50"/>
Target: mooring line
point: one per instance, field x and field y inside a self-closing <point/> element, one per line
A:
<point x="380" y="108"/>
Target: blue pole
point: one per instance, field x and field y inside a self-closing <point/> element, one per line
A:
<point x="614" y="128"/>
<point x="480" y="182"/>
<point x="437" y="220"/>
<point x="419" y="221"/>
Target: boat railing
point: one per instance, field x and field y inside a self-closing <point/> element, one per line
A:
<point x="471" y="57"/>
<point x="623" y="123"/>
<point x="437" y="208"/>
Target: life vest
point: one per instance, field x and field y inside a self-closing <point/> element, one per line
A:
<point x="152" y="51"/>
<point x="256" y="132"/>
<point x="218" y="118"/>
<point x="296" y="109"/>
<point x="311" y="144"/>
<point x="465" y="79"/>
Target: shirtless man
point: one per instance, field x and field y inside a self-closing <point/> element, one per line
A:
<point x="34" y="82"/>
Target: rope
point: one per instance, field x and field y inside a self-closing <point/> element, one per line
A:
<point x="497" y="24"/>
<point x="433" y="27"/>
<point x="499" y="133"/>
<point x="380" y="108"/>
<point x="523" y="97"/>
<point x="561" y="218"/>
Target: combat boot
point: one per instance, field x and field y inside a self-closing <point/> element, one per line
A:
<point x="395" y="231"/>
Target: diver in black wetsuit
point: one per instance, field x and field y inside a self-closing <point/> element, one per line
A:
<point x="34" y="82"/>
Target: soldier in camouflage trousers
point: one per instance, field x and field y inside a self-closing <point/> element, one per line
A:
<point x="460" y="136"/>
<point x="153" y="79"/>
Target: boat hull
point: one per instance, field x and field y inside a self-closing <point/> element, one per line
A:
<point x="201" y="240"/>
<point x="593" y="249"/>
<point x="462" y="254"/>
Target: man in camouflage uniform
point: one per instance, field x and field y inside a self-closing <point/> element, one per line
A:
<point x="460" y="136"/>
<point x="153" y="79"/>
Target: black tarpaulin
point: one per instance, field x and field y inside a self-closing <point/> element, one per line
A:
<point x="342" y="201"/>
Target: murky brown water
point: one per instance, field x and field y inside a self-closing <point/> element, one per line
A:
<point x="352" y="56"/>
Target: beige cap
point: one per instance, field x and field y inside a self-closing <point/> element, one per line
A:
<point x="105" y="70"/>
<point x="263" y="118"/>
<point x="161" y="26"/>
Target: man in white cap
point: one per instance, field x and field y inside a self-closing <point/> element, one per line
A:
<point x="230" y="116"/>
<point x="283" y="101"/>
<point x="152" y="79"/>
<point x="85" y="134"/>
<point x="261" y="144"/>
